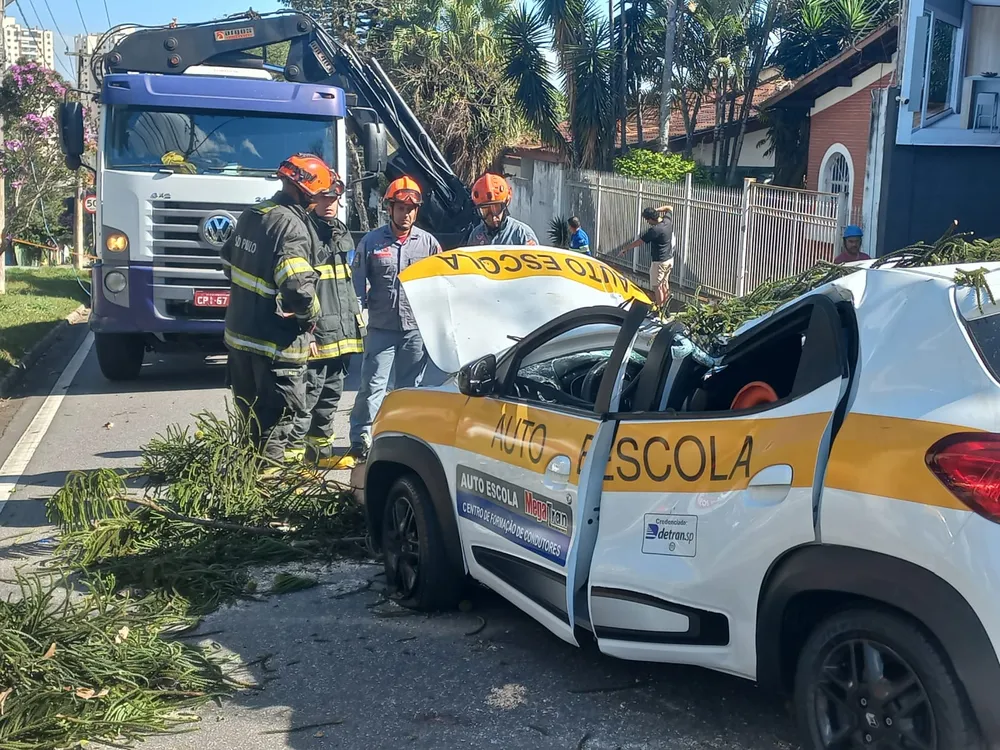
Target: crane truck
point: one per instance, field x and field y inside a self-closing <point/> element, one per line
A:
<point x="193" y="124"/>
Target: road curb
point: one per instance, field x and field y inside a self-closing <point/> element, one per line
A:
<point x="13" y="378"/>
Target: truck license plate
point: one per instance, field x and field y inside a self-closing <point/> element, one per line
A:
<point x="211" y="299"/>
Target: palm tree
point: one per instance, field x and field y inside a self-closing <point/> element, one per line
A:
<point x="524" y="34"/>
<point x="592" y="118"/>
<point x="453" y="74"/>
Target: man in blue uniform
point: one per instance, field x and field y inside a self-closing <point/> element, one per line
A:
<point x="578" y="239"/>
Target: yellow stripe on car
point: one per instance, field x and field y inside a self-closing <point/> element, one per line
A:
<point x="684" y="455"/>
<point x="506" y="265"/>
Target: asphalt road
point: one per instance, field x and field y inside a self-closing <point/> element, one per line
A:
<point x="344" y="668"/>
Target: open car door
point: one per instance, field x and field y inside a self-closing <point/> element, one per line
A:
<point x="524" y="455"/>
<point x="711" y="479"/>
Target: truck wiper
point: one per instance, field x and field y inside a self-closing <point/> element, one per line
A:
<point x="242" y="170"/>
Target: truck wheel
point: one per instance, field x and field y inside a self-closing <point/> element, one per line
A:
<point x="868" y="678"/>
<point x="120" y="355"/>
<point x="417" y="570"/>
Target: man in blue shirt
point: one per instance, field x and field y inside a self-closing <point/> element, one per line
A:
<point x="578" y="240"/>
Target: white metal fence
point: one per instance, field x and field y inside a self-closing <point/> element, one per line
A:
<point x="727" y="241"/>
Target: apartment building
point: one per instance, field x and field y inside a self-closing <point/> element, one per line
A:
<point x="24" y="43"/>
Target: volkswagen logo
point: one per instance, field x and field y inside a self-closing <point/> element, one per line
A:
<point x="216" y="229"/>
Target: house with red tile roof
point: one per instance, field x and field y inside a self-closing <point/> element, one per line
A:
<point x="642" y="130"/>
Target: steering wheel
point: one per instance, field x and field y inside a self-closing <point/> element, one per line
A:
<point x="592" y="382"/>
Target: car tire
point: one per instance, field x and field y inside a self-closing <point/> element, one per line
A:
<point x="417" y="571"/>
<point x="120" y="355"/>
<point x="939" y="712"/>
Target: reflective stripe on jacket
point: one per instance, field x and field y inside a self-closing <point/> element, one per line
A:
<point x="340" y="329"/>
<point x="267" y="260"/>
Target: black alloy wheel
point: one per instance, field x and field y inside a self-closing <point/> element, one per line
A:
<point x="868" y="698"/>
<point x="402" y="547"/>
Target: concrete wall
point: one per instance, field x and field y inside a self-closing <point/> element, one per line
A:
<point x="538" y="195"/>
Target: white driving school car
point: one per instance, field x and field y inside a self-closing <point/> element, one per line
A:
<point x="816" y="510"/>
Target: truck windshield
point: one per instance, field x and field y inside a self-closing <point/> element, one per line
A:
<point x="213" y="141"/>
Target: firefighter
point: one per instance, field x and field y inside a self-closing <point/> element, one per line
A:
<point x="273" y="306"/>
<point x="339" y="332"/>
<point x="491" y="195"/>
<point x="392" y="341"/>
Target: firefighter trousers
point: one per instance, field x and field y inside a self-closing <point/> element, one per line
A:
<point x="324" y="387"/>
<point x="274" y="395"/>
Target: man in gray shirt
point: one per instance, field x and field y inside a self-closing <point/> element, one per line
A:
<point x="491" y="195"/>
<point x="392" y="337"/>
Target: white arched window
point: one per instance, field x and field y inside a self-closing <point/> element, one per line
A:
<point x="836" y="173"/>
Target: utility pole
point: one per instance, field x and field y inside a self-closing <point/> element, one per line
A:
<point x="78" y="217"/>
<point x="3" y="180"/>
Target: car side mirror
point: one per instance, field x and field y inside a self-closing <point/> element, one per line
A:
<point x="478" y="378"/>
<point x="376" y="147"/>
<point x="71" y="133"/>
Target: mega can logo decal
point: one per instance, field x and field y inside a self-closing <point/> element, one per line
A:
<point x="231" y="35"/>
<point x="539" y="524"/>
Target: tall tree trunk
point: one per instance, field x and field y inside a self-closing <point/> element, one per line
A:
<point x="619" y="89"/>
<point x="759" y="55"/>
<point x="638" y="112"/>
<point x="666" y="83"/>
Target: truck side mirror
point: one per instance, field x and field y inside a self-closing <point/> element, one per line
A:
<point x="376" y="147"/>
<point x="71" y="132"/>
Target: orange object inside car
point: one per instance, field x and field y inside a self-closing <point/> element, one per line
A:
<point x="754" y="394"/>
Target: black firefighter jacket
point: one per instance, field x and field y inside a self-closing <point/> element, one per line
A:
<point x="268" y="262"/>
<point x="340" y="329"/>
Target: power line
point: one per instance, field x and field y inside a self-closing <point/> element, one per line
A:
<point x="80" y="11"/>
<point x="38" y="20"/>
<point x="56" y="24"/>
<point x="107" y="13"/>
<point x="61" y="35"/>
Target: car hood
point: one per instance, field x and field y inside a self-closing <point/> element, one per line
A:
<point x="471" y="302"/>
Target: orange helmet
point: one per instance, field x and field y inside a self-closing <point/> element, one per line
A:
<point x="405" y="190"/>
<point x="309" y="173"/>
<point x="491" y="188"/>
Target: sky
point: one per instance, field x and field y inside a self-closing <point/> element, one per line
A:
<point x="72" y="17"/>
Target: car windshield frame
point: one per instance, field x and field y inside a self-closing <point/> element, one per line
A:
<point x="262" y="140"/>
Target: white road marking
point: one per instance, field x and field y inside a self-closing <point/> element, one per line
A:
<point x="17" y="462"/>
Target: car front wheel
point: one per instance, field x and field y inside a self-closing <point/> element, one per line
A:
<point x="868" y="680"/>
<point x="417" y="570"/>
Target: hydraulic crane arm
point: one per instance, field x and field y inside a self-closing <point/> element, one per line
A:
<point x="314" y="56"/>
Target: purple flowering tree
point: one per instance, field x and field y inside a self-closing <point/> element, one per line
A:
<point x="31" y="161"/>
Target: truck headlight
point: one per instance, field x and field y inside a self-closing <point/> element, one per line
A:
<point x="116" y="242"/>
<point x="115" y="282"/>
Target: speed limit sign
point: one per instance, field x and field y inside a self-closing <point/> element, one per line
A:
<point x="90" y="203"/>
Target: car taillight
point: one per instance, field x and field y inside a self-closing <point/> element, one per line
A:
<point x="968" y="464"/>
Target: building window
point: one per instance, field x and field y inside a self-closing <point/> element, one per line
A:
<point x="836" y="172"/>
<point x="937" y="43"/>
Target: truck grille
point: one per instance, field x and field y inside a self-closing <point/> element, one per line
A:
<point x="182" y="260"/>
